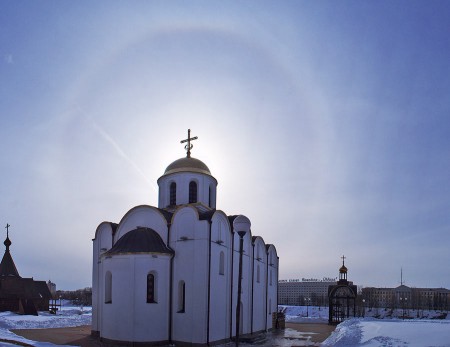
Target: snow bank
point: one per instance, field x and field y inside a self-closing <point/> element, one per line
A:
<point x="66" y="317"/>
<point x="370" y="332"/>
<point x="305" y="314"/>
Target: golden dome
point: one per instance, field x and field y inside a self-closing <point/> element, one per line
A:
<point x="187" y="164"/>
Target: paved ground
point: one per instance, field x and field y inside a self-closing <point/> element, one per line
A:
<point x="296" y="334"/>
<point x="320" y="332"/>
<point x="75" y="336"/>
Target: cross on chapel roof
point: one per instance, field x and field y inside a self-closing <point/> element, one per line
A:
<point x="189" y="146"/>
<point x="7" y="242"/>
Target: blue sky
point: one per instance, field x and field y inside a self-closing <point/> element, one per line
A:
<point x="326" y="123"/>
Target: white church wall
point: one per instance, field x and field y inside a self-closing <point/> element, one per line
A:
<point x="221" y="275"/>
<point x="189" y="240"/>
<point x="101" y="243"/>
<point x="128" y="316"/>
<point x="142" y="216"/>
<point x="272" y="287"/>
<point x="245" y="321"/>
<point x="259" y="285"/>
<point x="247" y="288"/>
<point x="117" y="317"/>
<point x="154" y="315"/>
<point x="221" y="231"/>
<point x="182" y="180"/>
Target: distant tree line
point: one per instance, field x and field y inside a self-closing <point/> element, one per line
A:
<point x="79" y="297"/>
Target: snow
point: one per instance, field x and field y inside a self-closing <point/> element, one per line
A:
<point x="367" y="332"/>
<point x="387" y="330"/>
<point x="305" y="314"/>
<point x="370" y="332"/>
<point x="68" y="316"/>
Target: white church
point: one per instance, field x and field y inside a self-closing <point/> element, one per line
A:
<point x="170" y="274"/>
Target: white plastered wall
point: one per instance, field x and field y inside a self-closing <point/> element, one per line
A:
<point x="142" y="216"/>
<point x="182" y="180"/>
<point x="272" y="287"/>
<point x="189" y="239"/>
<point x="100" y="244"/>
<point x="220" y="302"/>
<point x="129" y="317"/>
<point x="259" y="287"/>
<point x="245" y="322"/>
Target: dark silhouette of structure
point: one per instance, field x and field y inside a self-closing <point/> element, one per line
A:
<point x="17" y="294"/>
<point x="342" y="298"/>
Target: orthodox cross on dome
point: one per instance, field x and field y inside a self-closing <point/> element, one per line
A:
<point x="189" y="146"/>
<point x="7" y="242"/>
<point x="343" y="259"/>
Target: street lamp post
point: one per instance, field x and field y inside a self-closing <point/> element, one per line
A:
<point x="307" y="305"/>
<point x="364" y="307"/>
<point x="238" y="305"/>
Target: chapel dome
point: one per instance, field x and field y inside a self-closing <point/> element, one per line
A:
<point x="140" y="240"/>
<point x="343" y="269"/>
<point x="187" y="164"/>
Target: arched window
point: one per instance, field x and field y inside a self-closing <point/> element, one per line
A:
<point x="209" y="197"/>
<point x="181" y="297"/>
<point x="192" y="192"/>
<point x="222" y="264"/>
<point x="173" y="194"/>
<point x="108" y="287"/>
<point x="151" y="288"/>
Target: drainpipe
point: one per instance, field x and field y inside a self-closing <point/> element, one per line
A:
<point x="267" y="285"/>
<point x="278" y="276"/>
<point x="231" y="284"/>
<point x="238" y="305"/>
<point x="170" y="285"/>
<point x="253" y="289"/>
<point x="209" y="285"/>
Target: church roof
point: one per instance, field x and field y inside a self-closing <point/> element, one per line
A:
<point x="7" y="266"/>
<point x="140" y="240"/>
<point x="23" y="288"/>
<point x="167" y="214"/>
<point x="188" y="164"/>
<point x="343" y="269"/>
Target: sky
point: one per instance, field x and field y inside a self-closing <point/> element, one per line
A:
<point x="326" y="123"/>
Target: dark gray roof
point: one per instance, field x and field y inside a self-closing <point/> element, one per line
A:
<point x="187" y="164"/>
<point x="7" y="266"/>
<point x="140" y="240"/>
<point x="207" y="215"/>
<point x="167" y="214"/>
<point x="231" y="220"/>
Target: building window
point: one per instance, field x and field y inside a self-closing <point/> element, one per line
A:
<point x="151" y="288"/>
<point x="209" y="197"/>
<point x="222" y="264"/>
<point x="270" y="278"/>
<point x="173" y="193"/>
<point x="108" y="287"/>
<point x="192" y="192"/>
<point x="181" y="297"/>
<point x="258" y="274"/>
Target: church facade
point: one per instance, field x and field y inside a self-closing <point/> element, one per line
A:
<point x="169" y="274"/>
